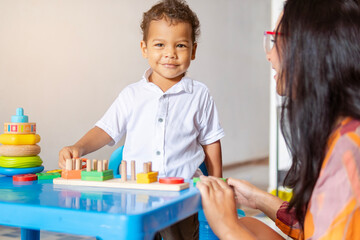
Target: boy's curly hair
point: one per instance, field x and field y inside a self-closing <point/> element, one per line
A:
<point x="173" y="11"/>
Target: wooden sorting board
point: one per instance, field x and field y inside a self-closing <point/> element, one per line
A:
<point x="117" y="183"/>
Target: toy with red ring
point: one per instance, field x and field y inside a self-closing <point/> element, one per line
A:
<point x="25" y="177"/>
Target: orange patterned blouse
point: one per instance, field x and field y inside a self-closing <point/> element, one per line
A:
<point x="334" y="207"/>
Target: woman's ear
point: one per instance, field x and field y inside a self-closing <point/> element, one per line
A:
<point x="143" y="49"/>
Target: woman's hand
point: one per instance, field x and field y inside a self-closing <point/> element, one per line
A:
<point x="218" y="202"/>
<point x="245" y="193"/>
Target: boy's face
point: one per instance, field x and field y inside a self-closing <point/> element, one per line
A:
<point x="169" y="49"/>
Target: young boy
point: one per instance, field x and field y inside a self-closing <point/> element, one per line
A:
<point x="168" y="118"/>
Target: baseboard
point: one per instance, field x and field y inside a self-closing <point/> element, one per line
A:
<point x="257" y="161"/>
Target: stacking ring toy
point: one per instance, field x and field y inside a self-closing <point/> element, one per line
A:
<point x="15" y="171"/>
<point x="20" y="162"/>
<point x="171" y="180"/>
<point x="19" y="150"/>
<point x="19" y="139"/>
<point x="20" y="128"/>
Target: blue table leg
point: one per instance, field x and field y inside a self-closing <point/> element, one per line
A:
<point x="30" y="234"/>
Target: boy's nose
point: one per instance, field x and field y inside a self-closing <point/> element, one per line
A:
<point x="170" y="53"/>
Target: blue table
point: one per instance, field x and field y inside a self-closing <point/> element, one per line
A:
<point x="105" y="213"/>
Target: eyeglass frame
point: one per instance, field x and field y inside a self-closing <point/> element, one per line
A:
<point x="269" y="38"/>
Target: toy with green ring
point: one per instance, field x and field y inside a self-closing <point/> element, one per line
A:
<point x="20" y="162"/>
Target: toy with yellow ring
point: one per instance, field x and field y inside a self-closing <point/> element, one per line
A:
<point x="19" y="139"/>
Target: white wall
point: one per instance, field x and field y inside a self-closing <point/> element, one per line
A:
<point x="65" y="61"/>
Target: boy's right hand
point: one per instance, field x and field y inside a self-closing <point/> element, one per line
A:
<point x="69" y="152"/>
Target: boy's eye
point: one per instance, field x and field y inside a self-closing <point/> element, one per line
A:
<point x="159" y="45"/>
<point x="181" y="45"/>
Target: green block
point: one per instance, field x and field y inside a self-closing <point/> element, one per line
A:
<point x="97" y="176"/>
<point x="44" y="176"/>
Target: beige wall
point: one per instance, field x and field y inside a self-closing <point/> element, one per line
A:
<point x="65" y="61"/>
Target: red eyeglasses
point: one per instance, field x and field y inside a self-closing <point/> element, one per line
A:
<point x="269" y="40"/>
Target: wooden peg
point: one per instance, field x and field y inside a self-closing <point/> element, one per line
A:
<point x="146" y="170"/>
<point x="123" y="171"/>
<point x="88" y="165"/>
<point x="150" y="166"/>
<point x="69" y="164"/>
<point x="133" y="171"/>
<point x="77" y="164"/>
<point x="99" y="166"/>
<point x="94" y="164"/>
<point x="105" y="165"/>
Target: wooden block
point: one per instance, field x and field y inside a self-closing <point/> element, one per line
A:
<point x="97" y="176"/>
<point x="71" y="174"/>
<point x="19" y="150"/>
<point x="146" y="177"/>
<point x="117" y="183"/>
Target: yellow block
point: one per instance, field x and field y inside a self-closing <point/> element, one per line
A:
<point x="149" y="180"/>
<point x="19" y="139"/>
<point x="147" y="175"/>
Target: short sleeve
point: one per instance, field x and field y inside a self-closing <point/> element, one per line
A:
<point x="115" y="118"/>
<point x="210" y="128"/>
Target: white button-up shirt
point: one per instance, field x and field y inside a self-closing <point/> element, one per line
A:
<point x="167" y="129"/>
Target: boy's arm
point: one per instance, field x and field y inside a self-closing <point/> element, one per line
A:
<point x="213" y="159"/>
<point x="93" y="140"/>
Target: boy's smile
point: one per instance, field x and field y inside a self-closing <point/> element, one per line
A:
<point x="169" y="50"/>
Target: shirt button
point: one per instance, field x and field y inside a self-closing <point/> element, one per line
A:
<point x="160" y="120"/>
<point x="157" y="152"/>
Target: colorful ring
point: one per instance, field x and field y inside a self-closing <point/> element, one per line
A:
<point x="171" y="180"/>
<point x="20" y="128"/>
<point x="20" y="162"/>
<point x="15" y="171"/>
<point x="19" y="150"/>
<point x="19" y="139"/>
<point x="25" y="177"/>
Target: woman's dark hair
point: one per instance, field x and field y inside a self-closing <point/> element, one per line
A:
<point x="173" y="11"/>
<point x="319" y="48"/>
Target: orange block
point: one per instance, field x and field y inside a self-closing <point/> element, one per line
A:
<point x="71" y="174"/>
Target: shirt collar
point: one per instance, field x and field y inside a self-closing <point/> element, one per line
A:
<point x="185" y="84"/>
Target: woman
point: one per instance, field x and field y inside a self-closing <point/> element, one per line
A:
<point x="316" y="55"/>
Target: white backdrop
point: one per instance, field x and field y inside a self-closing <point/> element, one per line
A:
<point x="65" y="61"/>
